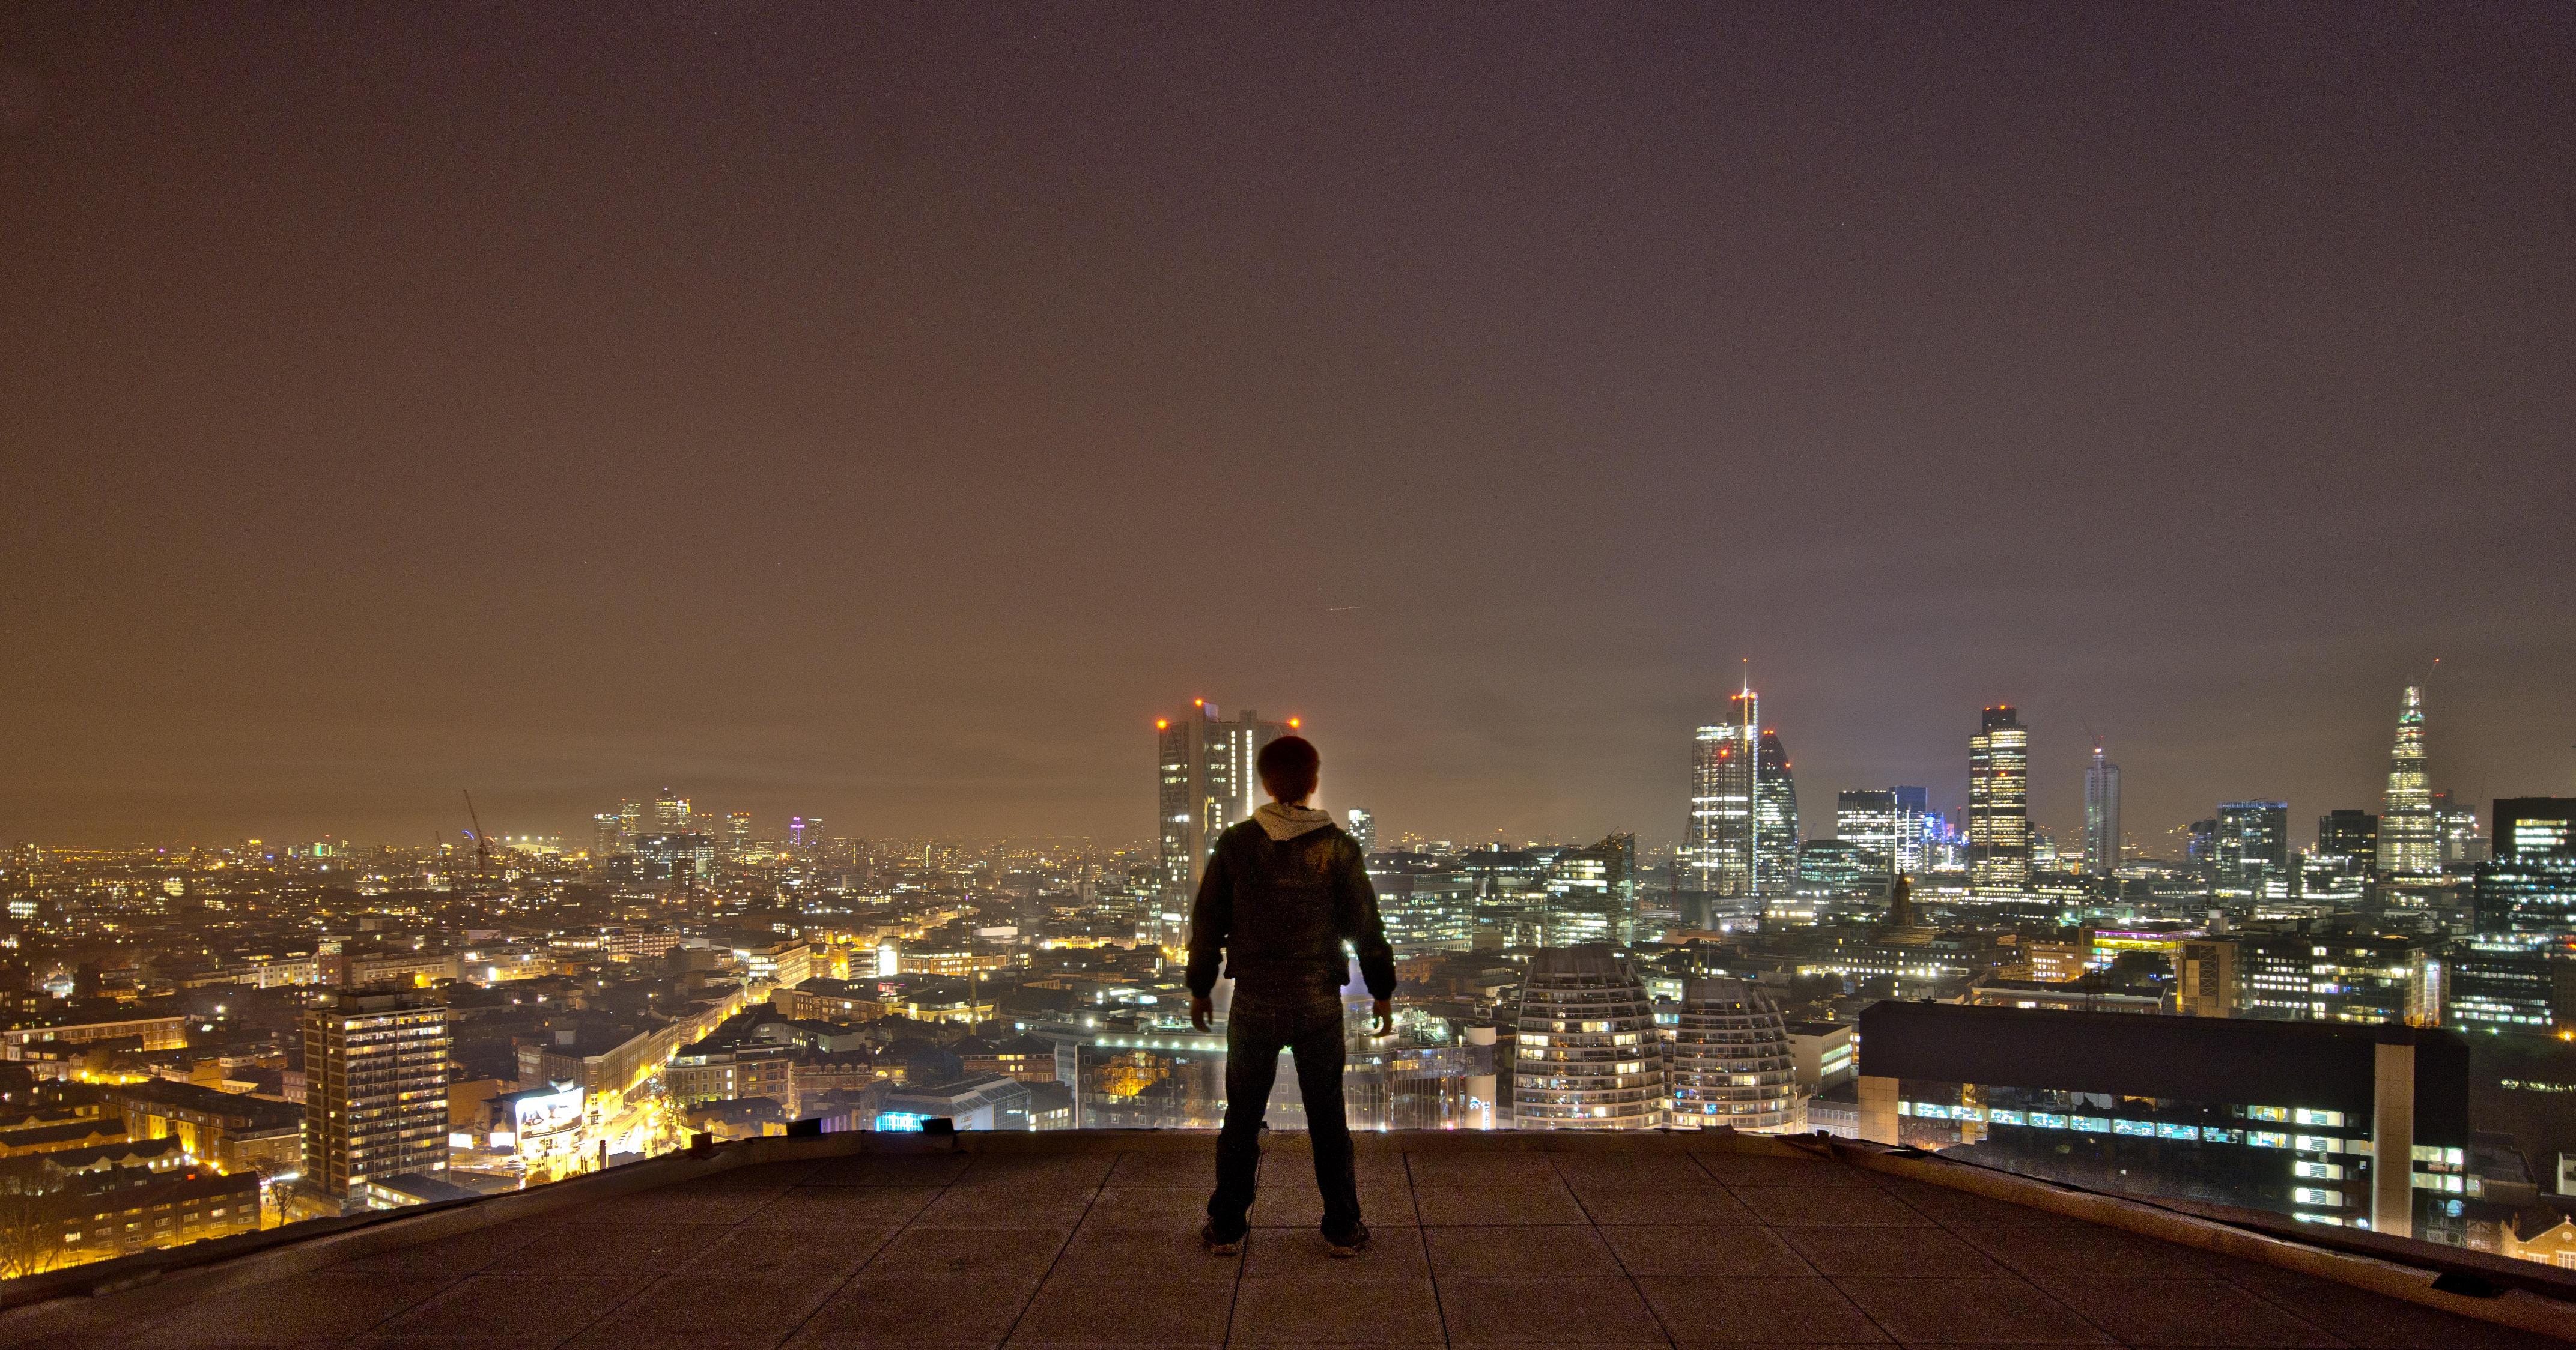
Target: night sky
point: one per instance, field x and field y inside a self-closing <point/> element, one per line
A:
<point x="887" y="412"/>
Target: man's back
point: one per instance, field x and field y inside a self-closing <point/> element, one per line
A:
<point x="1283" y="892"/>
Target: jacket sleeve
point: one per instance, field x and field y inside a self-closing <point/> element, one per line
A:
<point x="1211" y="924"/>
<point x="1361" y="924"/>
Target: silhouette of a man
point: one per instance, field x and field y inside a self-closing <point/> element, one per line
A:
<point x="1284" y="892"/>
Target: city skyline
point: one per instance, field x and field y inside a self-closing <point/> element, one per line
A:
<point x="824" y="387"/>
<point x="2071" y="830"/>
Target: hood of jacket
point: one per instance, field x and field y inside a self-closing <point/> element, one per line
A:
<point x="1284" y="823"/>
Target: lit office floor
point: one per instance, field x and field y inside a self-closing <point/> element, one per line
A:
<point x="1091" y="1240"/>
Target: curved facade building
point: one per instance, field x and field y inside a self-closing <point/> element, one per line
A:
<point x="1587" y="1056"/>
<point x="1729" y="1063"/>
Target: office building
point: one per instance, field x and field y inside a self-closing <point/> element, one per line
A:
<point x="1427" y="905"/>
<point x="1865" y="819"/>
<point x="2409" y="835"/>
<point x="375" y="1103"/>
<point x="2340" y="1125"/>
<point x="1824" y="1055"/>
<point x="2336" y="978"/>
<point x="1718" y="855"/>
<point x="2101" y="815"/>
<point x="2507" y="987"/>
<point x="2349" y="835"/>
<point x="1839" y="869"/>
<point x="607" y="835"/>
<point x="1775" y="820"/>
<point x="685" y="859"/>
<point x="1918" y="831"/>
<point x="1591" y="893"/>
<point x="1587" y="1055"/>
<point x="1363" y="830"/>
<point x="670" y="813"/>
<point x="2205" y="982"/>
<point x="2249" y="845"/>
<point x="1999" y="804"/>
<point x="1728" y="1062"/>
<point x="737" y="833"/>
<point x="2463" y="841"/>
<point x="1205" y="782"/>
<point x="804" y="835"/>
<point x="2528" y="883"/>
<point x="2528" y="828"/>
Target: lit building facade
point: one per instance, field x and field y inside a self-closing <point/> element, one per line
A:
<point x="1205" y="781"/>
<point x="375" y="1100"/>
<point x="1775" y="820"/>
<point x="2251" y="845"/>
<point x="1865" y="819"/>
<point x="1728" y="1062"/>
<point x="1999" y="803"/>
<point x="1587" y="1055"/>
<point x="1718" y="848"/>
<point x="2339" y="1125"/>
<point x="2101" y="815"/>
<point x="2409" y="835"/>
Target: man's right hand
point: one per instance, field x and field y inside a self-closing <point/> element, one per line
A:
<point x="1200" y="1008"/>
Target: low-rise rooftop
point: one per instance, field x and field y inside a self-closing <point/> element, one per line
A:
<point x="1081" y="1239"/>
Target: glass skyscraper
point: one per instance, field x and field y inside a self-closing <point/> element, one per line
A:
<point x="2101" y="815"/>
<point x="2250" y="845"/>
<point x="2409" y="836"/>
<point x="1999" y="803"/>
<point x="1866" y="819"/>
<point x="1718" y="853"/>
<point x="1775" y="820"/>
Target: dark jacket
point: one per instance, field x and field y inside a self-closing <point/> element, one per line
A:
<point x="1279" y="911"/>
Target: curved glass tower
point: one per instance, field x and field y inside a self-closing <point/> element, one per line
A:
<point x="1775" y="820"/>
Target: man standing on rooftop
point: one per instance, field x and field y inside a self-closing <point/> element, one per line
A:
<point x="1284" y="893"/>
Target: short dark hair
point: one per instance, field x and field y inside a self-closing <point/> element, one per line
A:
<point x="1289" y="767"/>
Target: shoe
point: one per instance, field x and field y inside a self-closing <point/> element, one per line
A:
<point x="1220" y="1246"/>
<point x="1348" y="1244"/>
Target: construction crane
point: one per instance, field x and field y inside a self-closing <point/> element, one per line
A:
<point x="482" y="846"/>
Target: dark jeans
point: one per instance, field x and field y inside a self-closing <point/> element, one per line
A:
<point x="1255" y="1033"/>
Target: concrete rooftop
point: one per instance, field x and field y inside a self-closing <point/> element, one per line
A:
<point x="1090" y="1240"/>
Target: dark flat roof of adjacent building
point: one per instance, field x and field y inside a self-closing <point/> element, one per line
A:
<point x="1089" y="1238"/>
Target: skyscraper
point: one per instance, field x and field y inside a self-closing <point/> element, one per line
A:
<point x="1916" y="828"/>
<point x="607" y="835"/>
<point x="1363" y="828"/>
<point x="1718" y="855"/>
<point x="1775" y="820"/>
<point x="2409" y="836"/>
<point x="1587" y="1056"/>
<point x="738" y="832"/>
<point x="2250" y="844"/>
<point x="2101" y="815"/>
<point x="2349" y="835"/>
<point x="670" y="812"/>
<point x="1206" y="782"/>
<point x="375" y="1102"/>
<point x="1999" y="803"/>
<point x="1866" y="819"/>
